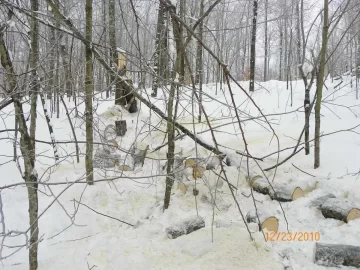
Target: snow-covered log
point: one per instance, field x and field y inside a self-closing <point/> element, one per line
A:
<point x="340" y="209"/>
<point x="138" y="152"/>
<point x="126" y="164"/>
<point x="280" y="192"/>
<point x="185" y="227"/>
<point x="267" y="221"/>
<point x="109" y="133"/>
<point x="120" y="127"/>
<point x="319" y="201"/>
<point x="212" y="163"/>
<point x="213" y="179"/>
<point x="335" y="255"/>
<point x="103" y="159"/>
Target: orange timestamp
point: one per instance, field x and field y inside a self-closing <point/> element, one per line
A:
<point x="292" y="236"/>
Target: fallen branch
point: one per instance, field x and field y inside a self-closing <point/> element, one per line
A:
<point x="104" y="214"/>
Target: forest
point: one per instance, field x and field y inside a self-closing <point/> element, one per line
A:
<point x="179" y="134"/>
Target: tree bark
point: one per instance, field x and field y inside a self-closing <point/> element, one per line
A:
<point x="320" y="83"/>
<point x="89" y="93"/>
<point x="253" y="48"/>
<point x="266" y="42"/>
<point x="161" y="51"/>
<point x="170" y="125"/>
<point x="26" y="147"/>
<point x="199" y="59"/>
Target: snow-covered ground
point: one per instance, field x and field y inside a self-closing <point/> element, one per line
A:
<point x="137" y="197"/>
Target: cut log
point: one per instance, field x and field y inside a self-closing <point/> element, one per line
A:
<point x="319" y="201"/>
<point x="126" y="164"/>
<point x="192" y="162"/>
<point x="182" y="187"/>
<point x="335" y="255"/>
<point x="120" y="127"/>
<point x="340" y="209"/>
<point x="212" y="163"/>
<point x="138" y="152"/>
<point x="110" y="133"/>
<point x="213" y="179"/>
<point x="198" y="165"/>
<point x="103" y="159"/>
<point x="283" y="192"/>
<point x="267" y="221"/>
<point x="185" y="227"/>
<point x="198" y="172"/>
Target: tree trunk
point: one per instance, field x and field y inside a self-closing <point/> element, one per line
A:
<point x="161" y="51"/>
<point x="89" y="93"/>
<point x="321" y="83"/>
<point x="253" y="48"/>
<point x="266" y="42"/>
<point x="199" y="59"/>
<point x="170" y="126"/>
<point x="26" y="147"/>
<point x="119" y="99"/>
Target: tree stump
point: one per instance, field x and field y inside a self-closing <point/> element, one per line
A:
<point x="185" y="227"/>
<point x="267" y="221"/>
<point x="340" y="209"/>
<point x="335" y="255"/>
<point x="120" y="127"/>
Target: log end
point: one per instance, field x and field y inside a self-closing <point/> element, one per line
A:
<point x="190" y="162"/>
<point x="182" y="187"/>
<point x="353" y="214"/>
<point x="298" y="193"/>
<point x="125" y="168"/>
<point x="271" y="224"/>
<point x="198" y="172"/>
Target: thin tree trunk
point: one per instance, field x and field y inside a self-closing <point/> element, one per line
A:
<point x="88" y="93"/>
<point x="199" y="59"/>
<point x="253" y="48"/>
<point x="72" y="129"/>
<point x="321" y="83"/>
<point x="160" y="56"/>
<point x="170" y="126"/>
<point x="266" y="42"/>
<point x="26" y="146"/>
<point x="50" y="126"/>
<point x="119" y="95"/>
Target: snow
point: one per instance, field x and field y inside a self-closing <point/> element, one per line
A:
<point x="96" y="240"/>
<point x="120" y="50"/>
